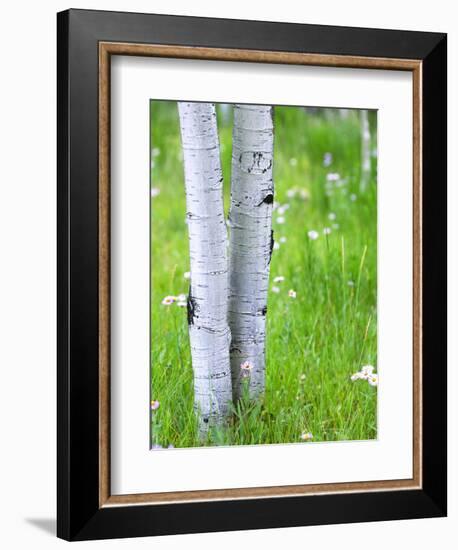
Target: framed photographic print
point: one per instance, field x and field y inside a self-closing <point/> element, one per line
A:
<point x="252" y="274"/>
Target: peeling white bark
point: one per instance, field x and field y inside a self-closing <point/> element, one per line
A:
<point x="207" y="303"/>
<point x="251" y="241"/>
<point x="365" y="149"/>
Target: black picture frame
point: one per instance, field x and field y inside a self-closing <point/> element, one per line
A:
<point x="79" y="514"/>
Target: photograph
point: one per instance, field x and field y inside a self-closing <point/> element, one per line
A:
<point x="263" y="274"/>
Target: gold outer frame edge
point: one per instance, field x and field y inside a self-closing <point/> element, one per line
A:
<point x="106" y="50"/>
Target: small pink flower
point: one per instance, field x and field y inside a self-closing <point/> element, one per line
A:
<point x="154" y="405"/>
<point x="247" y="366"/>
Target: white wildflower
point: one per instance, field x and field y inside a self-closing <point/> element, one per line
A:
<point x="373" y="379"/>
<point x="306" y="436"/>
<point x="292" y="293"/>
<point x="304" y="194"/>
<point x="275" y="289"/>
<point x="332" y="216"/>
<point x="327" y="159"/>
<point x="327" y="231"/>
<point x="366" y="373"/>
<point x="367" y="370"/>
<point x="279" y="279"/>
<point x="313" y="235"/>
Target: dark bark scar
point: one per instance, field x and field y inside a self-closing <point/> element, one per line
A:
<point x="255" y="162"/>
<point x="268" y="199"/>
<point x="192" y="308"/>
<point x="272" y="241"/>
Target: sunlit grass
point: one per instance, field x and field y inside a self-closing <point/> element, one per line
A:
<point x="316" y="340"/>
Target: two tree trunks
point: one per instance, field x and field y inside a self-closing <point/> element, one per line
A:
<point x="221" y="304"/>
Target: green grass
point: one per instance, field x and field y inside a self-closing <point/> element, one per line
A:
<point x="316" y="341"/>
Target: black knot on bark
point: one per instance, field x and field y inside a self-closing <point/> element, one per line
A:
<point x="272" y="241"/>
<point x="268" y="199"/>
<point x="191" y="308"/>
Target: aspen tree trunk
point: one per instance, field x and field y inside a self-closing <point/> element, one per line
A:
<point x="365" y="150"/>
<point x="207" y="302"/>
<point x="251" y="241"/>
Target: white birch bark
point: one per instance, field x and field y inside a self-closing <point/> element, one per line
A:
<point x="365" y="150"/>
<point x="251" y="241"/>
<point x="207" y="302"/>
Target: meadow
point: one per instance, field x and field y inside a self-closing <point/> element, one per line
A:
<point x="322" y="318"/>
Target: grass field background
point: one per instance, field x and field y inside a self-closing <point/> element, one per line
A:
<point x="315" y="341"/>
